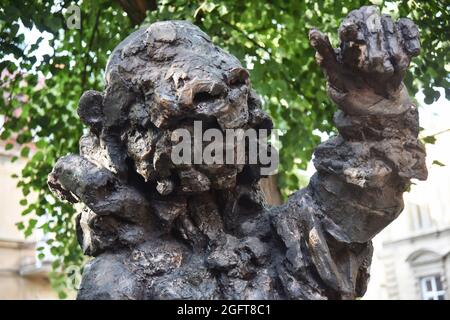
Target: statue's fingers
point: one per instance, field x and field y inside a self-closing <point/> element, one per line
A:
<point x="398" y="56"/>
<point x="98" y="188"/>
<point x="350" y="29"/>
<point x="325" y="55"/>
<point x="410" y="36"/>
<point x="353" y="41"/>
<point x="81" y="178"/>
<point x="377" y="54"/>
<point x="323" y="47"/>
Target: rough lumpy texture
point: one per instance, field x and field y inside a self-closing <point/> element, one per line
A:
<point x="157" y="230"/>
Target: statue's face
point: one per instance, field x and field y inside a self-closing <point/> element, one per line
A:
<point x="173" y="75"/>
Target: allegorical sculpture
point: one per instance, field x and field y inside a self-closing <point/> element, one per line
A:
<point x="161" y="230"/>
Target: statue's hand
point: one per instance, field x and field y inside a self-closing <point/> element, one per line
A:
<point x="373" y="55"/>
<point x="114" y="212"/>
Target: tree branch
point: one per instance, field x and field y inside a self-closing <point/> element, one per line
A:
<point x="89" y="48"/>
<point x="137" y="9"/>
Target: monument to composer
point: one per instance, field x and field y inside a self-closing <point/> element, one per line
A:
<point x="163" y="230"/>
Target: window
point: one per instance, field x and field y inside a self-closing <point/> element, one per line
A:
<point x="420" y="217"/>
<point x="432" y="288"/>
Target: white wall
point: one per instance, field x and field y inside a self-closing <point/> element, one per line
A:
<point x="392" y="276"/>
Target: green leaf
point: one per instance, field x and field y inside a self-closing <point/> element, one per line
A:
<point x="5" y="133"/>
<point x="438" y="163"/>
<point x="28" y="232"/>
<point x="56" y="264"/>
<point x="41" y="144"/>
<point x="55" y="251"/>
<point x="32" y="223"/>
<point x="429" y="139"/>
<point x="62" y="295"/>
<point x="20" y="225"/>
<point x="38" y="156"/>
<point x="25" y="152"/>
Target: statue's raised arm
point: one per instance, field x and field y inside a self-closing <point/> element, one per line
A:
<point x="362" y="172"/>
<point x="200" y="229"/>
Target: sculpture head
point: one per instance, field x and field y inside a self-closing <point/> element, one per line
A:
<point x="162" y="78"/>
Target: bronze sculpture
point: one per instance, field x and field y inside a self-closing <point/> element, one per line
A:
<point x="159" y="230"/>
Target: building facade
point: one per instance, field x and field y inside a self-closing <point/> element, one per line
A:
<point x="22" y="275"/>
<point x="412" y="255"/>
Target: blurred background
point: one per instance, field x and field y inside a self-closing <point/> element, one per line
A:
<point x="52" y="51"/>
